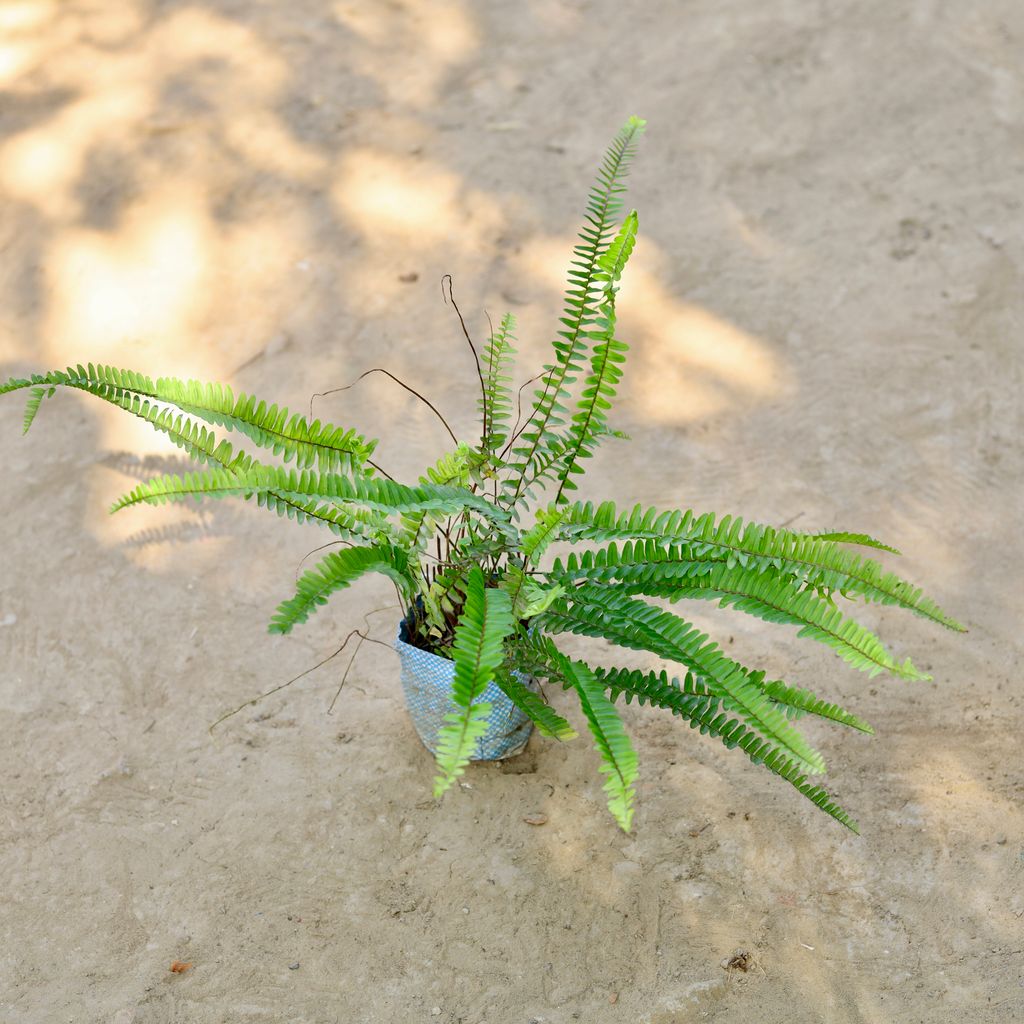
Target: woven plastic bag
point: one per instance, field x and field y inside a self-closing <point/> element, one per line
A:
<point x="427" y="682"/>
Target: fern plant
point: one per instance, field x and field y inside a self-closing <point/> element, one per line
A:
<point x="466" y="546"/>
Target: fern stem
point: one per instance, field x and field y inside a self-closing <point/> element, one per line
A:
<point x="469" y="340"/>
<point x="401" y="383"/>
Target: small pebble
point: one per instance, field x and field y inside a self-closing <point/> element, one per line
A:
<point x="436" y="1011"/>
<point x="613" y="998"/>
<point x="409" y="278"/>
<point x="293" y="967"/>
<point x="536" y="819"/>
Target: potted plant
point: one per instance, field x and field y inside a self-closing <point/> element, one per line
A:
<point x="484" y="604"/>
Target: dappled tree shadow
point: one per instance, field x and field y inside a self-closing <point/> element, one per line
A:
<point x="269" y="194"/>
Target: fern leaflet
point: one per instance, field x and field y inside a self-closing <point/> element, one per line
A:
<point x="534" y="706"/>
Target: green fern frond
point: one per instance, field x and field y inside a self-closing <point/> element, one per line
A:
<point x="673" y="572"/>
<point x="634" y="562"/>
<point x="337" y="571"/>
<point x="612" y="262"/>
<point x="821" y="564"/>
<point x="694" y="687"/>
<point x="330" y="448"/>
<point x="603" y="612"/>
<point x="692" y="700"/>
<point x="581" y="309"/>
<point x="606" y="361"/>
<point x="618" y="758"/>
<point x="201" y="444"/>
<point x="777" y="599"/>
<point x="478" y="653"/>
<point x="347" y="522"/>
<point x="806" y="703"/>
<point x="496" y="403"/>
<point x="535" y="707"/>
<point x="380" y="495"/>
<point x="862" y="540"/>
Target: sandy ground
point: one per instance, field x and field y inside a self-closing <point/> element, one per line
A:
<point x="826" y="310"/>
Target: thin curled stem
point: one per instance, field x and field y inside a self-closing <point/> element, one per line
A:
<point x="277" y="689"/>
<point x="462" y="322"/>
<point x="401" y="383"/>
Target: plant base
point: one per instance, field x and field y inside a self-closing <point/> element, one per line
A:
<point x="427" y="682"/>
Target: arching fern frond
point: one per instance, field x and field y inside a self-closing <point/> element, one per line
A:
<point x="804" y="702"/>
<point x="532" y="654"/>
<point x="331" y="448"/>
<point x="635" y="561"/>
<point x="821" y="564"/>
<point x="348" y="522"/>
<point x="478" y="653"/>
<point x="337" y="571"/>
<point x="200" y="443"/>
<point x="676" y="573"/>
<point x="384" y="496"/>
<point x="690" y="700"/>
<point x="602" y="612"/>
<point x="618" y="758"/>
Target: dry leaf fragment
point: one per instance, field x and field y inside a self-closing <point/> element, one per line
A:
<point x="179" y="968"/>
<point x="741" y="960"/>
<point x="536" y="819"/>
